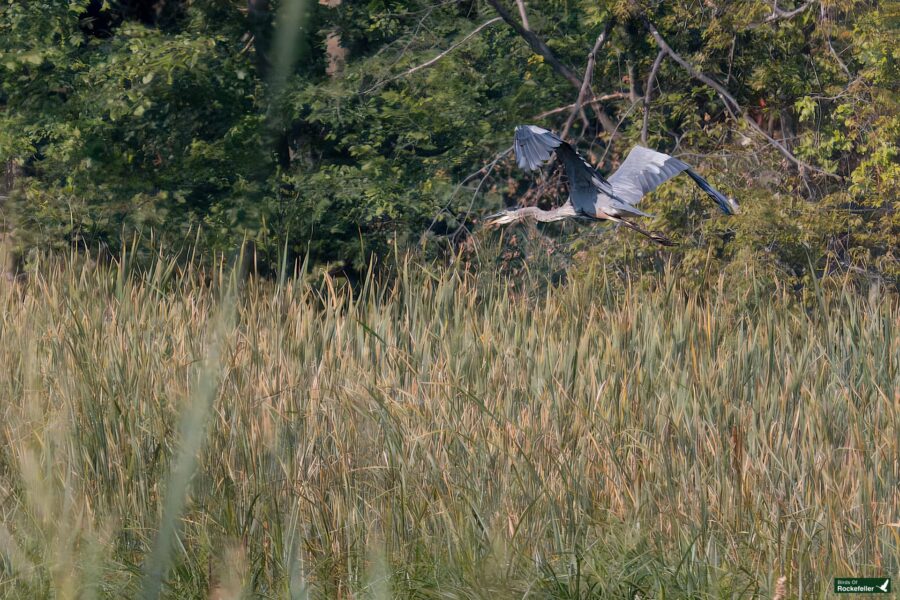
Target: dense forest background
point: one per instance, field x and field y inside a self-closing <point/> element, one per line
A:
<point x="340" y="131"/>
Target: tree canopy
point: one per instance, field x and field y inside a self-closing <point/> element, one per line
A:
<point x="391" y="121"/>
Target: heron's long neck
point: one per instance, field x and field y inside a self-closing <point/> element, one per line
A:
<point x="546" y="216"/>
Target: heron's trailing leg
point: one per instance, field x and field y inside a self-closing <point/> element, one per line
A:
<point x="659" y="239"/>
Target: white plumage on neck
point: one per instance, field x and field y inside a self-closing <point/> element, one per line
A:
<point x="566" y="211"/>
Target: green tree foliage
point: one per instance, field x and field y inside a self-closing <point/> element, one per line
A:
<point x="162" y="117"/>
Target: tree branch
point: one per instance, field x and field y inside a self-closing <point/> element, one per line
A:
<point x="730" y="102"/>
<point x="430" y="62"/>
<point x="602" y="116"/>
<point x="779" y="15"/>
<point x="585" y="88"/>
<point x="648" y="90"/>
<point x="601" y="39"/>
<point x="523" y="14"/>
<point x="591" y="102"/>
<point x="485" y="172"/>
<point x="582" y="92"/>
<point x="537" y="45"/>
<point x="633" y="90"/>
<point x="259" y="16"/>
<point x="837" y="58"/>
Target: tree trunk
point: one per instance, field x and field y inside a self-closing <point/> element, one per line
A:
<point x="259" y="14"/>
<point x="10" y="260"/>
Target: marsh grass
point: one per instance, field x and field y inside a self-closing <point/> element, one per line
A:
<point x="441" y="436"/>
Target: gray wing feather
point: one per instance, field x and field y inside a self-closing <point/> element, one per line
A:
<point x="616" y="208"/>
<point x="534" y="145"/>
<point x="643" y="171"/>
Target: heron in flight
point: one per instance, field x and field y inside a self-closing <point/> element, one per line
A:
<point x="593" y="197"/>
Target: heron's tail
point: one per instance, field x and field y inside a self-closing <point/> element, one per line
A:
<point x="728" y="205"/>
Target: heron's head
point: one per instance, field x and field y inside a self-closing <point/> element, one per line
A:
<point x="501" y="218"/>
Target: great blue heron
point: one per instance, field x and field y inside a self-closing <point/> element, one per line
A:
<point x="593" y="197"/>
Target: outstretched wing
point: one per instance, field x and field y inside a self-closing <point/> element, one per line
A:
<point x="728" y="205"/>
<point x="644" y="170"/>
<point x="534" y="145"/>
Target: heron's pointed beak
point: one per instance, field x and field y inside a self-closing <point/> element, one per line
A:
<point x="495" y="220"/>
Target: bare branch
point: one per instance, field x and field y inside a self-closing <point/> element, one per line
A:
<point x="523" y="14"/>
<point x="632" y="81"/>
<point x="848" y="89"/>
<point x="537" y="45"/>
<point x="615" y="129"/>
<point x="777" y="13"/>
<point x="259" y="17"/>
<point x="484" y="171"/>
<point x="648" y="90"/>
<point x="780" y="15"/>
<point x="429" y="63"/>
<point x="837" y="58"/>
<point x="731" y="103"/>
<point x="601" y="39"/>
<point x="251" y="39"/>
<point x="579" y="101"/>
<point x="591" y="102"/>
<point x="585" y="92"/>
<point x="602" y="116"/>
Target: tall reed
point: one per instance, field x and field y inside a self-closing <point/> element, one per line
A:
<point x="441" y="435"/>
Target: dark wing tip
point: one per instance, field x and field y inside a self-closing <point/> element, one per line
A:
<point x="728" y="205"/>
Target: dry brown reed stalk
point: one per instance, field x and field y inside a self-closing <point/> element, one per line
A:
<point x="462" y="438"/>
<point x="780" y="589"/>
